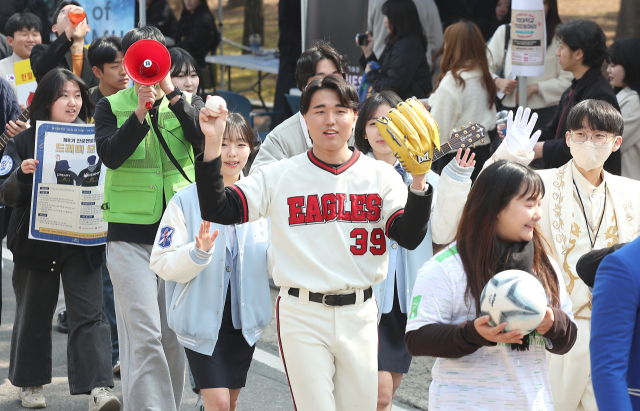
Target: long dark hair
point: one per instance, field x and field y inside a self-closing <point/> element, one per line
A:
<point x="552" y="20"/>
<point x="50" y="89"/>
<point x="404" y="21"/>
<point x="465" y="51"/>
<point x="477" y="235"/>
<point x="367" y="110"/>
<point x="626" y="52"/>
<point x="181" y="58"/>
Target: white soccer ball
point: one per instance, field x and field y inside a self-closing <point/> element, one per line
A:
<point x="516" y="297"/>
<point x="213" y="105"/>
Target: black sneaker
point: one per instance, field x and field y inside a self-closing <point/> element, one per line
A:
<point x="63" y="324"/>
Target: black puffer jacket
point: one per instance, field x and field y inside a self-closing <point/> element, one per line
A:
<point x="403" y="69"/>
<point x="15" y="191"/>
<point x="197" y="33"/>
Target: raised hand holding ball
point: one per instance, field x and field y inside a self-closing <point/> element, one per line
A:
<point x="213" y="104"/>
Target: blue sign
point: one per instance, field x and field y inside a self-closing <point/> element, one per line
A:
<point x="107" y="18"/>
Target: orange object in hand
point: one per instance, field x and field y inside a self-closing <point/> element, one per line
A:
<point x="77" y="15"/>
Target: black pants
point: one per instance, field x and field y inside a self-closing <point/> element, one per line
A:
<point x="89" y="344"/>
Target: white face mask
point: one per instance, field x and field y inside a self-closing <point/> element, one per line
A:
<point x="588" y="155"/>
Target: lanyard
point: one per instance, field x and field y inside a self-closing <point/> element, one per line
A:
<point x="589" y="229"/>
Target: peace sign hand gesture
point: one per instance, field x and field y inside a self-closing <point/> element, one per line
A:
<point x="205" y="240"/>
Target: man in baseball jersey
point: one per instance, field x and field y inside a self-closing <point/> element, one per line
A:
<point x="330" y="210"/>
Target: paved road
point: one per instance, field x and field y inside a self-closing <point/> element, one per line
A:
<point x="266" y="387"/>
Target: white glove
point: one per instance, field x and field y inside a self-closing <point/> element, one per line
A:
<point x="518" y="135"/>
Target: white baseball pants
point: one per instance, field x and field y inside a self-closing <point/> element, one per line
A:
<point x="330" y="354"/>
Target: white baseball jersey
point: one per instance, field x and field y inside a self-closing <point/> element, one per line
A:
<point x="328" y="224"/>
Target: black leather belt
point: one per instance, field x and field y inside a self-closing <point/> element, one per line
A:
<point x="332" y="300"/>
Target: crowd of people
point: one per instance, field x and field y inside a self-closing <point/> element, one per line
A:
<point x="374" y="264"/>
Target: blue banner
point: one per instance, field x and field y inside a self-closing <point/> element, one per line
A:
<point x="109" y="17"/>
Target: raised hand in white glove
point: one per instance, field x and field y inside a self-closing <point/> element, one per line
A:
<point x="519" y="131"/>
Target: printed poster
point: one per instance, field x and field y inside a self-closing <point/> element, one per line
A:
<point x="528" y="37"/>
<point x="68" y="187"/>
<point x="25" y="81"/>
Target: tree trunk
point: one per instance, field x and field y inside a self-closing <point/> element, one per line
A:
<point x="628" y="19"/>
<point x="253" y="20"/>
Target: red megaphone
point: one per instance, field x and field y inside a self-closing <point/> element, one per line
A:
<point x="147" y="62"/>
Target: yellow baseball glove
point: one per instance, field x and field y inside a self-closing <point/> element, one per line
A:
<point x="412" y="134"/>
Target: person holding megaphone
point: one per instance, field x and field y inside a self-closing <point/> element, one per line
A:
<point x="144" y="136"/>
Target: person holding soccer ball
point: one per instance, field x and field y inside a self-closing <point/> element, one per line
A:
<point x="480" y="367"/>
<point x="586" y="208"/>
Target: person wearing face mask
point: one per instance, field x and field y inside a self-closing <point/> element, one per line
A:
<point x="582" y="50"/>
<point x="586" y="208"/>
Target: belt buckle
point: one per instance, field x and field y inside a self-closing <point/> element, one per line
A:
<point x="325" y="296"/>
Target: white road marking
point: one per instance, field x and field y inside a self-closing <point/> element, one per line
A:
<point x="6" y="254"/>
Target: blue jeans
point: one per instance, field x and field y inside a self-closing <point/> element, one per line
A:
<point x="110" y="311"/>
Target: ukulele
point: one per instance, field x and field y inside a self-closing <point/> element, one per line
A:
<point x="465" y="138"/>
<point x="5" y="137"/>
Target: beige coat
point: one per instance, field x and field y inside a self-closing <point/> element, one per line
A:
<point x="630" y="108"/>
<point x="552" y="83"/>
<point x="453" y="106"/>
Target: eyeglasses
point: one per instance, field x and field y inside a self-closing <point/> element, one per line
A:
<point x="599" y="138"/>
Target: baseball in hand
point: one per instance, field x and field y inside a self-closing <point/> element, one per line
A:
<point x="213" y="105"/>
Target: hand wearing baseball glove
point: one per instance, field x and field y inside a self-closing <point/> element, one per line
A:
<point x="412" y="134"/>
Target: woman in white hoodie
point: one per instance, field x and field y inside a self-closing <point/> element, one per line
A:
<point x="624" y="75"/>
<point x="465" y="91"/>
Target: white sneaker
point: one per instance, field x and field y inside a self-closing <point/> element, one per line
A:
<point x="116" y="368"/>
<point x="103" y="399"/>
<point x="32" y="397"/>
